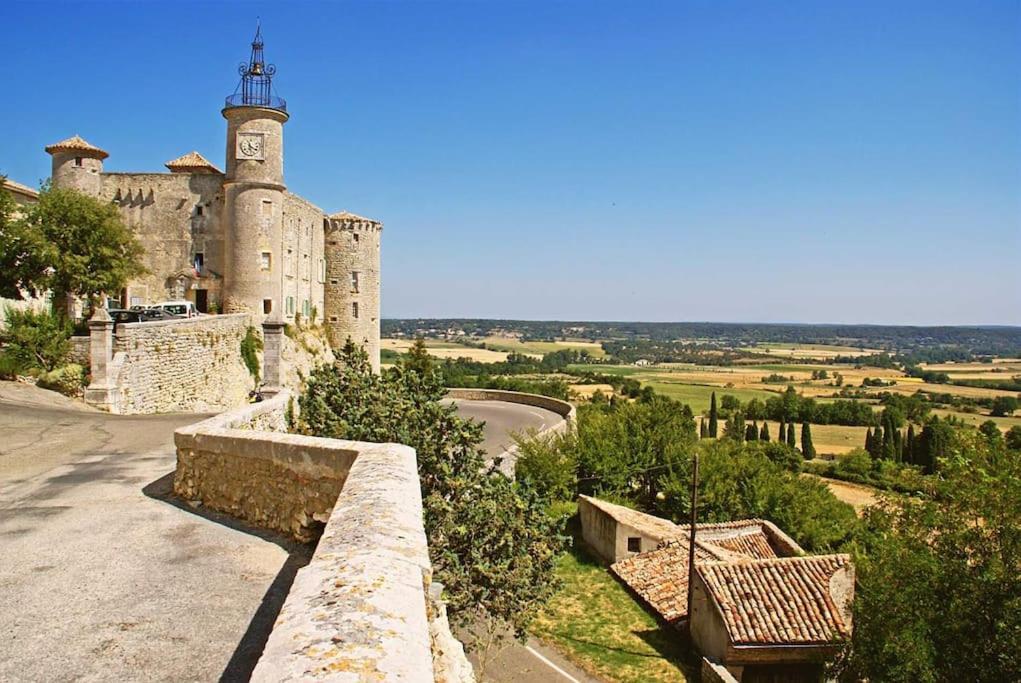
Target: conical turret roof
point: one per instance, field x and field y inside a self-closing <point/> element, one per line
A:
<point x="76" y="143"/>
<point x="192" y="162"/>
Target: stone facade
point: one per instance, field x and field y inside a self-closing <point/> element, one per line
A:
<point x="239" y="241"/>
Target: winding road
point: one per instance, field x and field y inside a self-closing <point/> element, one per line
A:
<point x="107" y="577"/>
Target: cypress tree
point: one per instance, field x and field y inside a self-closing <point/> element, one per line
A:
<point x="877" y="444"/>
<point x="751" y="432"/>
<point x="703" y="431"/>
<point x="790" y="436"/>
<point x="781" y="436"/>
<point x="713" y="417"/>
<point x="868" y="440"/>
<point x="898" y="445"/>
<point x="909" y="445"/>
<point x="807" y="448"/>
<point x="764" y="432"/>
<point x="889" y="446"/>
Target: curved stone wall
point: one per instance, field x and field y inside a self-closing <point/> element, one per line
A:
<point x="561" y="408"/>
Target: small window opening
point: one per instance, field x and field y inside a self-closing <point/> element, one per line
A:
<point x="634" y="544"/>
<point x="354" y="282"/>
<point x="198" y="209"/>
<point x="266" y="262"/>
<point x="354" y="310"/>
<point x="267" y="306"/>
<point x="77" y="161"/>
<point x="355" y="236"/>
<point x="200" y="260"/>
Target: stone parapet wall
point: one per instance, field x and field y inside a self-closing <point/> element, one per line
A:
<point x="186" y="365"/>
<point x="361" y="609"/>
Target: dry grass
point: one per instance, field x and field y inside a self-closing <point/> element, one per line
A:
<point x="585" y="391"/>
<point x="857" y="496"/>
<point x="536" y="348"/>
<point x="827" y="439"/>
<point x="446" y="350"/>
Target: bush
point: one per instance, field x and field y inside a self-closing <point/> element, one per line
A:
<point x="783" y="455"/>
<point x="251" y="345"/>
<point x="69" y="380"/>
<point x="34" y="341"/>
<point x="548" y="464"/>
<point x="856" y="463"/>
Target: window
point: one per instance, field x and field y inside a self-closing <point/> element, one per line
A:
<point x="306" y="308"/>
<point x="354" y="282"/>
<point x="289" y="305"/>
<point x="289" y="263"/>
<point x="333" y="318"/>
<point x="77" y="161"/>
<point x="200" y="260"/>
<point x="634" y="544"/>
<point x="267" y="208"/>
<point x="322" y="270"/>
<point x="355" y="236"/>
<point x="198" y="209"/>
<point x="267" y="306"/>
<point x="354" y="310"/>
<point x="267" y="261"/>
<point x="305" y="272"/>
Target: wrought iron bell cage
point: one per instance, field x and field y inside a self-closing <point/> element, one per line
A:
<point x="256" y="86"/>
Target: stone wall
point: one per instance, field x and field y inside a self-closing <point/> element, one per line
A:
<point x="174" y="216"/>
<point x="185" y="365"/>
<point x="361" y="609"/>
<point x="80" y="349"/>
<point x="561" y="408"/>
<point x="302" y="261"/>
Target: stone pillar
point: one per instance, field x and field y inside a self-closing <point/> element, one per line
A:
<point x="272" y="346"/>
<point x="103" y="391"/>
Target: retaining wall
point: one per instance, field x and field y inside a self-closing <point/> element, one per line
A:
<point x="561" y="408"/>
<point x="187" y="365"/>
<point x="361" y="609"/>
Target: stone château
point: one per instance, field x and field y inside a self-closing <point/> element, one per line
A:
<point x="237" y="240"/>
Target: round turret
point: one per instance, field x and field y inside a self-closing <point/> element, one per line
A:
<point x="77" y="165"/>
<point x="352" y="248"/>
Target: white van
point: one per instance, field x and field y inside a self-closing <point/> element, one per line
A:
<point x="180" y="309"/>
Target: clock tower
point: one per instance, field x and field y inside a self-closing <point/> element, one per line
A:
<point x="254" y="190"/>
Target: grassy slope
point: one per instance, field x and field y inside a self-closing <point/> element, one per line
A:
<point x="596" y="623"/>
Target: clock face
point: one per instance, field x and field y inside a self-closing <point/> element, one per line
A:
<point x="250" y="146"/>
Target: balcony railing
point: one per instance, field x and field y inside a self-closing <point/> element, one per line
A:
<point x="253" y="100"/>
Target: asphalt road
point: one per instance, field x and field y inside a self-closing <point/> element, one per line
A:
<point x="106" y="577"/>
<point x="504" y="420"/>
<point x="103" y="578"/>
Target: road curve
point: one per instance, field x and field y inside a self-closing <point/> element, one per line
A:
<point x="503" y="420"/>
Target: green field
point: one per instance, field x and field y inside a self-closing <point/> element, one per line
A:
<point x="541" y="348"/>
<point x="596" y="623"/>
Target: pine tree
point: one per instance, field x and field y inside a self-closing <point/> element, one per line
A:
<point x="703" y="431"/>
<point x="751" y="432"/>
<point x="807" y="448"/>
<point x="764" y="432"/>
<point x="713" y="417"/>
<point x="790" y="436"/>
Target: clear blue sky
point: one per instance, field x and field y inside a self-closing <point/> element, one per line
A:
<point x="716" y="160"/>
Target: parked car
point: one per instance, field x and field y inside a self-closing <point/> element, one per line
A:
<point x="121" y="315"/>
<point x="178" y="309"/>
<point x="150" y="314"/>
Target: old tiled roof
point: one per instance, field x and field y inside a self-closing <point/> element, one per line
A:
<point x="348" y="216"/>
<point x="660" y="577"/>
<point x="76" y="144"/>
<point x="650" y="525"/>
<point x="782" y="601"/>
<point x="192" y="161"/>
<point x="17" y="187"/>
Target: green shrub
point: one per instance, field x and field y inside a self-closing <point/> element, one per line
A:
<point x="34" y="341"/>
<point x="69" y="380"/>
<point x="251" y="345"/>
<point x="856" y="464"/>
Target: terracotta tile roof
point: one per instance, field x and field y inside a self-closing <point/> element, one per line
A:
<point x="660" y="577"/>
<point x="190" y="162"/>
<point x="747" y="541"/>
<point x="650" y="525"/>
<point x="352" y="217"/>
<point x="783" y="601"/>
<point x="76" y="144"/>
<point x="18" y="188"/>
